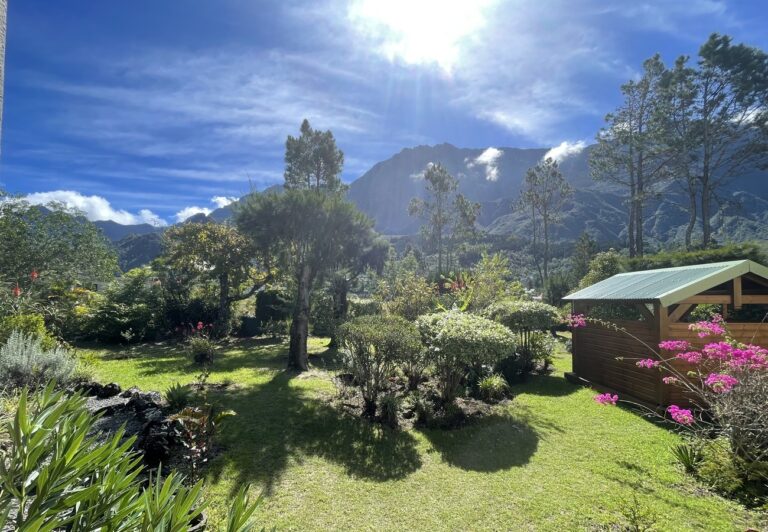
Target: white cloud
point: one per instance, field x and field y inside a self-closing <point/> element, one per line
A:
<point x="565" y="150"/>
<point x="187" y="212"/>
<point x="490" y="159"/>
<point x="94" y="207"/>
<point x="222" y="201"/>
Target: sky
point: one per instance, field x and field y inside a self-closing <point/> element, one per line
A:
<point x="148" y="111"/>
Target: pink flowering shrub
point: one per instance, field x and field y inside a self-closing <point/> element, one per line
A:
<point x="606" y="399"/>
<point x="576" y="321"/>
<point x="726" y="383"/>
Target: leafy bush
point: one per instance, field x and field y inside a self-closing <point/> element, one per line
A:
<point x="274" y="303"/>
<point x="604" y="265"/>
<point x="408" y="295"/>
<point x="360" y="306"/>
<point x="373" y="345"/>
<point x="73" y="482"/>
<point x="29" y="324"/>
<point x="493" y="280"/>
<point x="24" y="362"/>
<point x="671" y="259"/>
<point x="524" y="315"/>
<point x="457" y="341"/>
<point x="389" y="406"/>
<point x="493" y="388"/>
<point x="688" y="455"/>
<point x="276" y="329"/>
<point x="178" y="397"/>
<point x="201" y="350"/>
<point x="199" y="426"/>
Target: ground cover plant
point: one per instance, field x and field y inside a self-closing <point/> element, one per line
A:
<point x="551" y="458"/>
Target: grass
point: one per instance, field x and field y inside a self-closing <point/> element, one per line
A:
<point x="551" y="460"/>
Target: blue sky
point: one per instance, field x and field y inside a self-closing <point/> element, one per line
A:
<point x="151" y="111"/>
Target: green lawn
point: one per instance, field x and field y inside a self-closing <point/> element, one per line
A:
<point x="552" y="460"/>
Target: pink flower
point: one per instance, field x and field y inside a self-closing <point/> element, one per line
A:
<point x="681" y="415"/>
<point x="34" y="275"/>
<point x="675" y="345"/>
<point x="670" y="380"/>
<point x="647" y="363"/>
<point x="714" y="327"/>
<point x="606" y="399"/>
<point x="576" y="321"/>
<point x="199" y="325"/>
<point x="692" y="357"/>
<point x="16" y="291"/>
<point x="721" y="383"/>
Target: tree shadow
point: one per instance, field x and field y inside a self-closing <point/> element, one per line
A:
<point x="495" y="443"/>
<point x="546" y="385"/>
<point x="278" y="422"/>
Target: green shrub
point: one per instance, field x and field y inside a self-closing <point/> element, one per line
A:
<point x="24" y="362"/>
<point x="493" y="388"/>
<point x="178" y="397"/>
<point x="30" y="324"/>
<point x="201" y="350"/>
<point x="372" y="346"/>
<point x="524" y="315"/>
<point x="71" y="483"/>
<point x="389" y="406"/>
<point x="457" y="341"/>
<point x="276" y="329"/>
<point x="359" y="306"/>
<point x="408" y="295"/>
<point x="273" y="303"/>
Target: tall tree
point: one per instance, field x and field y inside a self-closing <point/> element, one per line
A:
<point x="544" y="194"/>
<point x="448" y="217"/>
<point x="309" y="234"/>
<point x="218" y="253"/>
<point x="584" y="250"/>
<point x="312" y="161"/>
<point x="629" y="150"/>
<point x="310" y="229"/>
<point x="720" y="119"/>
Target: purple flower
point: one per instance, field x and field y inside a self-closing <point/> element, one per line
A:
<point x="675" y="345"/>
<point x="720" y="382"/>
<point x="576" y="321"/>
<point x="680" y="415"/>
<point x="647" y="363"/>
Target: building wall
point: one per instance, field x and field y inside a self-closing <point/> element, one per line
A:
<point x="595" y="352"/>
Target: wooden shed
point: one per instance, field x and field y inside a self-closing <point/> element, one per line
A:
<point x="661" y="301"/>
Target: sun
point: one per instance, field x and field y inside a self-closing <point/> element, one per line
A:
<point x="420" y="31"/>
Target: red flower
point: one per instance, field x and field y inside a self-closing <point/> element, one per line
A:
<point x="16" y="291"/>
<point x="34" y="275"/>
<point x="199" y="325"/>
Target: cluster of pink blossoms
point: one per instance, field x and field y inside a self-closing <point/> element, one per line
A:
<point x="721" y="383"/>
<point x="714" y="327"/>
<point x="606" y="399"/>
<point x="576" y="321"/>
<point x="680" y="415"/>
<point x="675" y="345"/>
<point x="692" y="357"/>
<point x="647" y="363"/>
<point x="670" y="380"/>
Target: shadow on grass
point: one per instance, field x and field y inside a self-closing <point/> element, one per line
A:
<point x="496" y="443"/>
<point x="278" y="422"/>
<point x="546" y="385"/>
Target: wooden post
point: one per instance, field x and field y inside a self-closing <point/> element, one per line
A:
<point x="661" y="316"/>
<point x="737" y="292"/>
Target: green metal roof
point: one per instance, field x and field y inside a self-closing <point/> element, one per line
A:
<point x="667" y="285"/>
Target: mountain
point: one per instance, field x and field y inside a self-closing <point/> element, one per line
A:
<point x="115" y="231"/>
<point x="385" y="190"/>
<point x="493" y="177"/>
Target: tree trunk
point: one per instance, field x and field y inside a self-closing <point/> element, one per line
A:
<point x="692" y="210"/>
<point x="639" y="199"/>
<point x="632" y="220"/>
<point x="297" y="353"/>
<point x="706" y="212"/>
<point x="222" y="326"/>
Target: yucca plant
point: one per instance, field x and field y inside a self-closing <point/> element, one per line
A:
<point x="688" y="455"/>
<point x="178" y="397"/>
<point x="54" y="475"/>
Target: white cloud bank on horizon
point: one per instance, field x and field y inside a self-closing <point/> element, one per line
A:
<point x="565" y="149"/>
<point x="222" y="201"/>
<point x="95" y="208"/>
<point x="489" y="159"/>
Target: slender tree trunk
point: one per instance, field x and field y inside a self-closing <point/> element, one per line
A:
<point x="632" y="220"/>
<point x="706" y="212"/>
<point x="639" y="199"/>
<point x="297" y="353"/>
<point x="692" y="211"/>
<point x="223" y="318"/>
<point x="546" y="252"/>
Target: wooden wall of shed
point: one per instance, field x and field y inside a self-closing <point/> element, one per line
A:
<point x="748" y="333"/>
<point x="595" y="348"/>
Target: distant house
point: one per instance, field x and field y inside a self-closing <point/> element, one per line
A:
<point x="660" y="300"/>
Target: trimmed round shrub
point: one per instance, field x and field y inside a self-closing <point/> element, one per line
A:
<point x="457" y="341"/>
<point x="372" y="346"/>
<point x="524" y="315"/>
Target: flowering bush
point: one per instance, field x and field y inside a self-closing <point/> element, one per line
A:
<point x="727" y="384"/>
<point x="524" y="315"/>
<point x="606" y="399"/>
<point x="457" y="341"/>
